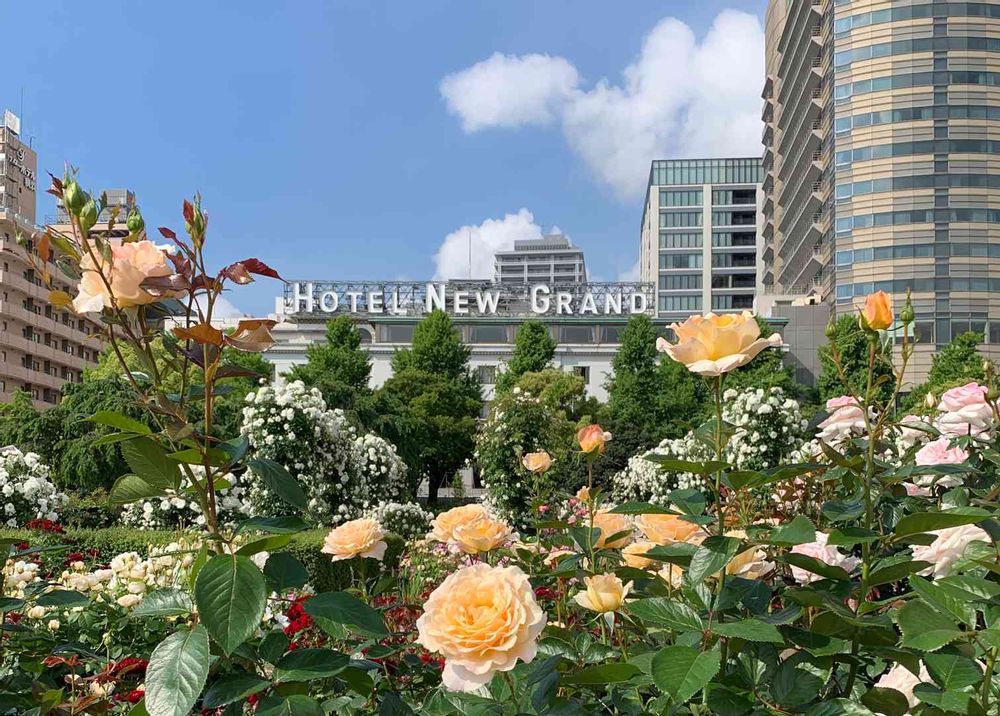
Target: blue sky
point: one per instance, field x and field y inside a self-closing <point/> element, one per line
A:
<point x="324" y="142"/>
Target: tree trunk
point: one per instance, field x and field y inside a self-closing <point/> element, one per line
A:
<point x="433" y="485"/>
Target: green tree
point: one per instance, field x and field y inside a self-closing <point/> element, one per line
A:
<point x="432" y="402"/>
<point x="767" y="370"/>
<point x="957" y="363"/>
<point x="341" y="369"/>
<point x="853" y="345"/>
<point x="534" y="349"/>
<point x="563" y="391"/>
<point x="27" y="428"/>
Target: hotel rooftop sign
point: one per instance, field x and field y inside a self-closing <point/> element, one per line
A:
<point x="467" y="298"/>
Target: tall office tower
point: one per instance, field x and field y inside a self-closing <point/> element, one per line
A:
<point x="41" y="347"/>
<point x="880" y="124"/>
<point x="700" y="235"/>
<point x="551" y="259"/>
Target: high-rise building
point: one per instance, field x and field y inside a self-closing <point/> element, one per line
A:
<point x="880" y="131"/>
<point x="550" y="259"/>
<point x="41" y="347"/>
<point x="700" y="235"/>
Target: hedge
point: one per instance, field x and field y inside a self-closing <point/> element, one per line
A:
<point x="325" y="575"/>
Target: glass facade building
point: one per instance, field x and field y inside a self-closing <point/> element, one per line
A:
<point x="882" y="122"/>
<point x="700" y="230"/>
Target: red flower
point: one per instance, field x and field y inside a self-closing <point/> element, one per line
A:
<point x="129" y="666"/>
<point x="133" y="697"/>
<point x="45" y="526"/>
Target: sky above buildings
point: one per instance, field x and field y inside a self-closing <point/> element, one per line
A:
<point x="373" y="139"/>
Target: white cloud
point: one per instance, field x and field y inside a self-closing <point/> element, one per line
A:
<point x="509" y="91"/>
<point x="452" y="257"/>
<point x="222" y="308"/>
<point x="680" y="98"/>
<point x="630" y="274"/>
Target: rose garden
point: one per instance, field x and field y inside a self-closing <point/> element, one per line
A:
<point x="185" y="534"/>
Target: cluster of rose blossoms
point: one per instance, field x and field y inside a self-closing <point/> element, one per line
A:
<point x="177" y="510"/>
<point x="28" y="493"/>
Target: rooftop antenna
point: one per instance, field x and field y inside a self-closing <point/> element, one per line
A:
<point x="468" y="233"/>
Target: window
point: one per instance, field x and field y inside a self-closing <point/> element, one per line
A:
<point x="680" y="240"/>
<point x="730" y="238"/>
<point x="397" y="333"/>
<point x="734" y="218"/>
<point x="680" y="303"/>
<point x="487" y="374"/>
<point x="612" y="334"/>
<point x="680" y="282"/>
<point x="680" y="261"/>
<point x="680" y="197"/>
<point x="582" y="371"/>
<point x="734" y="197"/>
<point x="748" y="260"/>
<point x="706" y="171"/>
<point x="731" y="302"/>
<point x="488" y="334"/>
<point x="670" y="219"/>
<point x="576" y="334"/>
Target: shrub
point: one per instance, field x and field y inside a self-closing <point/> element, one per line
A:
<point x="27" y="492"/>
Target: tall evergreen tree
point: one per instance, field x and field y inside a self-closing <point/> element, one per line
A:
<point x="534" y="349"/>
<point x="853" y="346"/>
<point x="434" y="400"/>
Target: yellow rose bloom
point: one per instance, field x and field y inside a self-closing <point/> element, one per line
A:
<point x="537" y="462"/>
<point x="130" y="264"/>
<point x="604" y="593"/>
<point x="611" y="524"/>
<point x="667" y="529"/>
<point x="481" y="619"/>
<point x="592" y="439"/>
<point x="713" y="345"/>
<point x="443" y="526"/>
<point x="480" y="535"/>
<point x="357" y="538"/>
<point x="634" y="552"/>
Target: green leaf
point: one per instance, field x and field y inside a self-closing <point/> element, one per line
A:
<point x="698" y="468"/>
<point x="392" y="704"/>
<point x="111" y="439"/>
<point x="342" y="608"/>
<point x="271" y="543"/>
<point x="811" y="564"/>
<point x="279" y="481"/>
<point x="150" y="462"/>
<point x="689" y="501"/>
<point x="952" y="671"/>
<point x="664" y="612"/>
<point x="309" y="664"/>
<point x="139" y="709"/>
<point x="750" y="630"/>
<point x="681" y="672"/>
<point x="712" y="556"/>
<point x="194" y="456"/>
<point x="177" y="671"/>
<point x="164" y="603"/>
<point x="274" y="525"/>
<point x="232" y="687"/>
<point x="725" y="701"/>
<point x="839" y="707"/>
<point x="958" y="607"/>
<point x="641" y="508"/>
<point x="886" y="701"/>
<point x="294" y="705"/>
<point x="843" y="510"/>
<point x="799" y="531"/>
<point x="611" y="673"/>
<point x="929" y="521"/>
<point x="132" y="488"/>
<point x="62" y="598"/>
<point x="676" y="553"/>
<point x="122" y="422"/>
<point x="850" y="536"/>
<point x="924" y="627"/>
<point x="285" y="572"/>
<point x="953" y="701"/>
<point x="273" y="646"/>
<point x="799" y="680"/>
<point x="895" y="572"/>
<point x="231" y="595"/>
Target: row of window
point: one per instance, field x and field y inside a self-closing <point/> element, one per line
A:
<point x="916" y="79"/>
<point x="682" y="240"/>
<point x="918" y="285"/>
<point x="692" y="240"/>
<point x="924" y="146"/>
<point x="919" y="44"/>
<point x="741" y="260"/>
<point x="681" y="261"/>
<point x="694" y="303"/>
<point x="724" y="303"/>
<point x="918" y="216"/>
<point x="915" y="114"/>
<point x="488" y="333"/>
<point x="919" y="251"/>
<point x="734" y="218"/>
<point x="733" y="238"/>
<point x="680" y="282"/>
<point x="680" y="197"/>
<point x="680" y="303"/>
<point x="913" y="12"/>
<point x="670" y="219"/>
<point x="487" y="375"/>
<point x="734" y="197"/>
<point x="705" y="171"/>
<point x="928" y="181"/>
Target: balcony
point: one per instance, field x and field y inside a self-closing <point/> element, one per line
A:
<point x="43" y="323"/>
<point x="40" y="350"/>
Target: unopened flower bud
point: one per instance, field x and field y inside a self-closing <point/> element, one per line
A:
<point x="88" y="216"/>
<point x="831" y="329"/>
<point x="930" y="401"/>
<point x="907" y="315"/>
<point x="74" y="197"/>
<point x="135" y="222"/>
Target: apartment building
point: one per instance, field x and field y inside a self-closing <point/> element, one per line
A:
<point x="551" y="259"/>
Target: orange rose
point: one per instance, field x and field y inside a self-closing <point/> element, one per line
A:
<point x="130" y="265"/>
<point x="751" y="563"/>
<point x="713" y="345"/>
<point x="537" y="462"/>
<point x="667" y="529"/>
<point x="481" y="619"/>
<point x="604" y="593"/>
<point x="444" y="525"/>
<point x="357" y="538"/>
<point x="877" y="313"/>
<point x="480" y="535"/>
<point x="583" y="494"/>
<point x="592" y="439"/>
<point x="611" y="524"/>
<point x="634" y="555"/>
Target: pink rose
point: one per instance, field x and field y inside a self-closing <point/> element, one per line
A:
<point x="824" y="553"/>
<point x="901" y="679"/>
<point x="909" y="432"/>
<point x="965" y="411"/>
<point x="846" y="417"/>
<point x="131" y="264"/>
<point x="937" y="452"/>
<point x="947" y="549"/>
<point x="916" y="491"/>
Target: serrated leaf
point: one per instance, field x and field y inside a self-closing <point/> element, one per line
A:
<point x="274" y="525"/>
<point x="342" y="608"/>
<point x="294" y="705"/>
<point x="150" y="462"/>
<point x="799" y="531"/>
<point x="177" y="671"/>
<point x="132" y="488"/>
<point x="309" y="664"/>
<point x="895" y="572"/>
<point x="284" y="572"/>
<point x="122" y="422"/>
<point x="798" y="680"/>
<point x="839" y="707"/>
<point x="952" y="671"/>
<point x="681" y="672"/>
<point x="925" y="628"/>
<point x="231" y="594"/>
<point x="711" y="557"/>
<point x="888" y="702"/>
<point x="611" y="673"/>
<point x="62" y="598"/>
<point x="750" y="630"/>
<point x="929" y="521"/>
<point x="953" y="701"/>
<point x="232" y="687"/>
<point x="811" y="564"/>
<point x="164" y="603"/>
<point x="664" y="612"/>
<point x="279" y="481"/>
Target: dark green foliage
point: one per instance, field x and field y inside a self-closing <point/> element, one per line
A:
<point x="430" y="405"/>
<point x="765" y="371"/>
<point x="853" y="346"/>
<point x="534" y="349"/>
<point x="341" y="369"/>
<point x="956" y="364"/>
<point x="562" y="391"/>
<point x="229" y="407"/>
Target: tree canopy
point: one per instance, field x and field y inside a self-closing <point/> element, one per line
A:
<point x="534" y="350"/>
<point x="853" y="346"/>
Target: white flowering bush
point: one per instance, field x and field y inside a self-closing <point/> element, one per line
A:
<point x="643" y="480"/>
<point x="406" y="519"/>
<point x="382" y="470"/>
<point x="176" y="509"/>
<point x="291" y="425"/>
<point x="28" y="493"/>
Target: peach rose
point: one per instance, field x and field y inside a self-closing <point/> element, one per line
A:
<point x="877" y="313"/>
<point x="966" y="411"/>
<point x="553" y="558"/>
<point x="358" y="538"/>
<point x="667" y="529"/>
<point x="749" y="564"/>
<point x="481" y="619"/>
<point x="131" y="264"/>
<point x="537" y="462"/>
<point x="672" y="574"/>
<point x="713" y="345"/>
<point x="583" y="494"/>
<point x="603" y="593"/>
<point x="443" y="526"/>
<point x="901" y="679"/>
<point x="827" y="554"/>
<point x="481" y="535"/>
<point x="948" y="547"/>
<point x="592" y="439"/>
<point x="611" y="524"/>
<point x="634" y="555"/>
